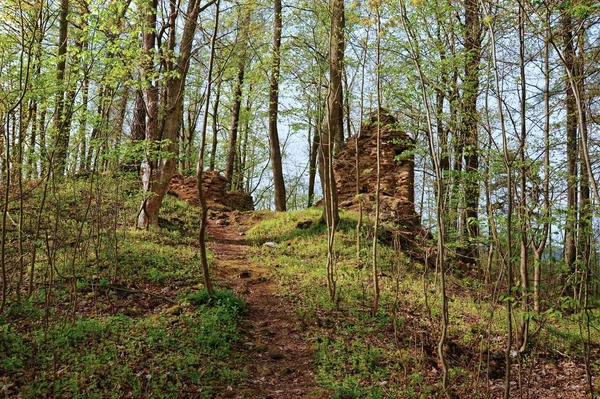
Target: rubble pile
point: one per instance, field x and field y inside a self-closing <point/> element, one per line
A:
<point x="215" y="191"/>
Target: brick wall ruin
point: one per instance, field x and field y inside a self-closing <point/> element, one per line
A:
<point x="397" y="196"/>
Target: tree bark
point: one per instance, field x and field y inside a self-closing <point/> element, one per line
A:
<point x="237" y="101"/>
<point x="571" y="148"/>
<point x="215" y="127"/>
<point x="200" y="167"/>
<point x="469" y="254"/>
<point x="335" y="97"/>
<point x="59" y="125"/>
<point x="275" y="149"/>
<point x="157" y="173"/>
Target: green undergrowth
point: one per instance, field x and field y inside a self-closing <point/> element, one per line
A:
<point x="392" y="353"/>
<point x="153" y="356"/>
<point x="105" y="326"/>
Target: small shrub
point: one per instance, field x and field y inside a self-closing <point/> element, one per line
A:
<point x="224" y="299"/>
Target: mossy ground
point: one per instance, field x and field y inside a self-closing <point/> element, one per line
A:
<point x="119" y="313"/>
<point x="394" y="353"/>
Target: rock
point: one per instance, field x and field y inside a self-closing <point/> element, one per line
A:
<point x="215" y="190"/>
<point x="131" y="312"/>
<point x="174" y="310"/>
<point x="261" y="348"/>
<point x="270" y="244"/>
<point x="244" y="275"/>
<point x="304" y="224"/>
<point x="276" y="355"/>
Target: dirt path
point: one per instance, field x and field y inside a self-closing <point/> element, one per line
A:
<point x="272" y="350"/>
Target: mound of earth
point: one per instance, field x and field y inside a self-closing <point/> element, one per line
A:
<point x="215" y="191"/>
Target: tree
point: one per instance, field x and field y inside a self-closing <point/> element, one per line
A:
<point x="332" y="135"/>
<point x="469" y="130"/>
<point x="434" y="153"/>
<point x="333" y="125"/>
<point x="232" y="153"/>
<point x="162" y="128"/>
<point x="276" y="164"/>
<point x="200" y="167"/>
<point x="572" y="147"/>
<point x="61" y="122"/>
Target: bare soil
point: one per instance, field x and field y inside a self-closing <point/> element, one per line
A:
<point x="273" y="351"/>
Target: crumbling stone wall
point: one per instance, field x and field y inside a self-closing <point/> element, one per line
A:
<point x="215" y="191"/>
<point x="397" y="176"/>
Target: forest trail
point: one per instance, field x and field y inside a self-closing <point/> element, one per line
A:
<point x="272" y="349"/>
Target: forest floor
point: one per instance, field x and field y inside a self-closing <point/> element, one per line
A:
<point x="127" y="317"/>
<point x="272" y="349"/>
<point x="280" y="337"/>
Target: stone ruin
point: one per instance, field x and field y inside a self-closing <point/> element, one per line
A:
<point x="215" y="191"/>
<point x="397" y="176"/>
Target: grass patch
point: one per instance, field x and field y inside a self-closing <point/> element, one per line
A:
<point x="153" y="356"/>
<point x="390" y="355"/>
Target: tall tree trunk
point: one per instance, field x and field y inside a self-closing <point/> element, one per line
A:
<point x="244" y="149"/>
<point x="83" y="123"/>
<point x="157" y="173"/>
<point x="585" y="215"/>
<point x="523" y="331"/>
<point x="434" y="155"/>
<point x="237" y="98"/>
<point x="469" y="254"/>
<point x="335" y="96"/>
<point x="200" y="167"/>
<point x="235" y="121"/>
<point x="275" y="149"/>
<point x="540" y="246"/>
<point x="571" y="149"/>
<point x="333" y="127"/>
<point x="314" y="147"/>
<point x="138" y="128"/>
<point x="375" y="263"/>
<point x="215" y="127"/>
<point x="59" y="122"/>
<point x="32" y="169"/>
<point x="333" y="132"/>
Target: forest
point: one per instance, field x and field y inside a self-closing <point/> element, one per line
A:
<point x="299" y="199"/>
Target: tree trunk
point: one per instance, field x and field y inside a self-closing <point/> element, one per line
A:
<point x="469" y="254"/>
<point x="59" y="125"/>
<point x="215" y="127"/>
<point x="200" y="167"/>
<point x="541" y="245"/>
<point x="332" y="135"/>
<point x="235" y="120"/>
<point x="237" y="100"/>
<point x="335" y="97"/>
<point x="275" y="149"/>
<point x="138" y="128"/>
<point x="157" y="173"/>
<point x="523" y="332"/>
<point x="314" y="148"/>
<point x="585" y="215"/>
<point x="83" y="124"/>
<point x="571" y="150"/>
